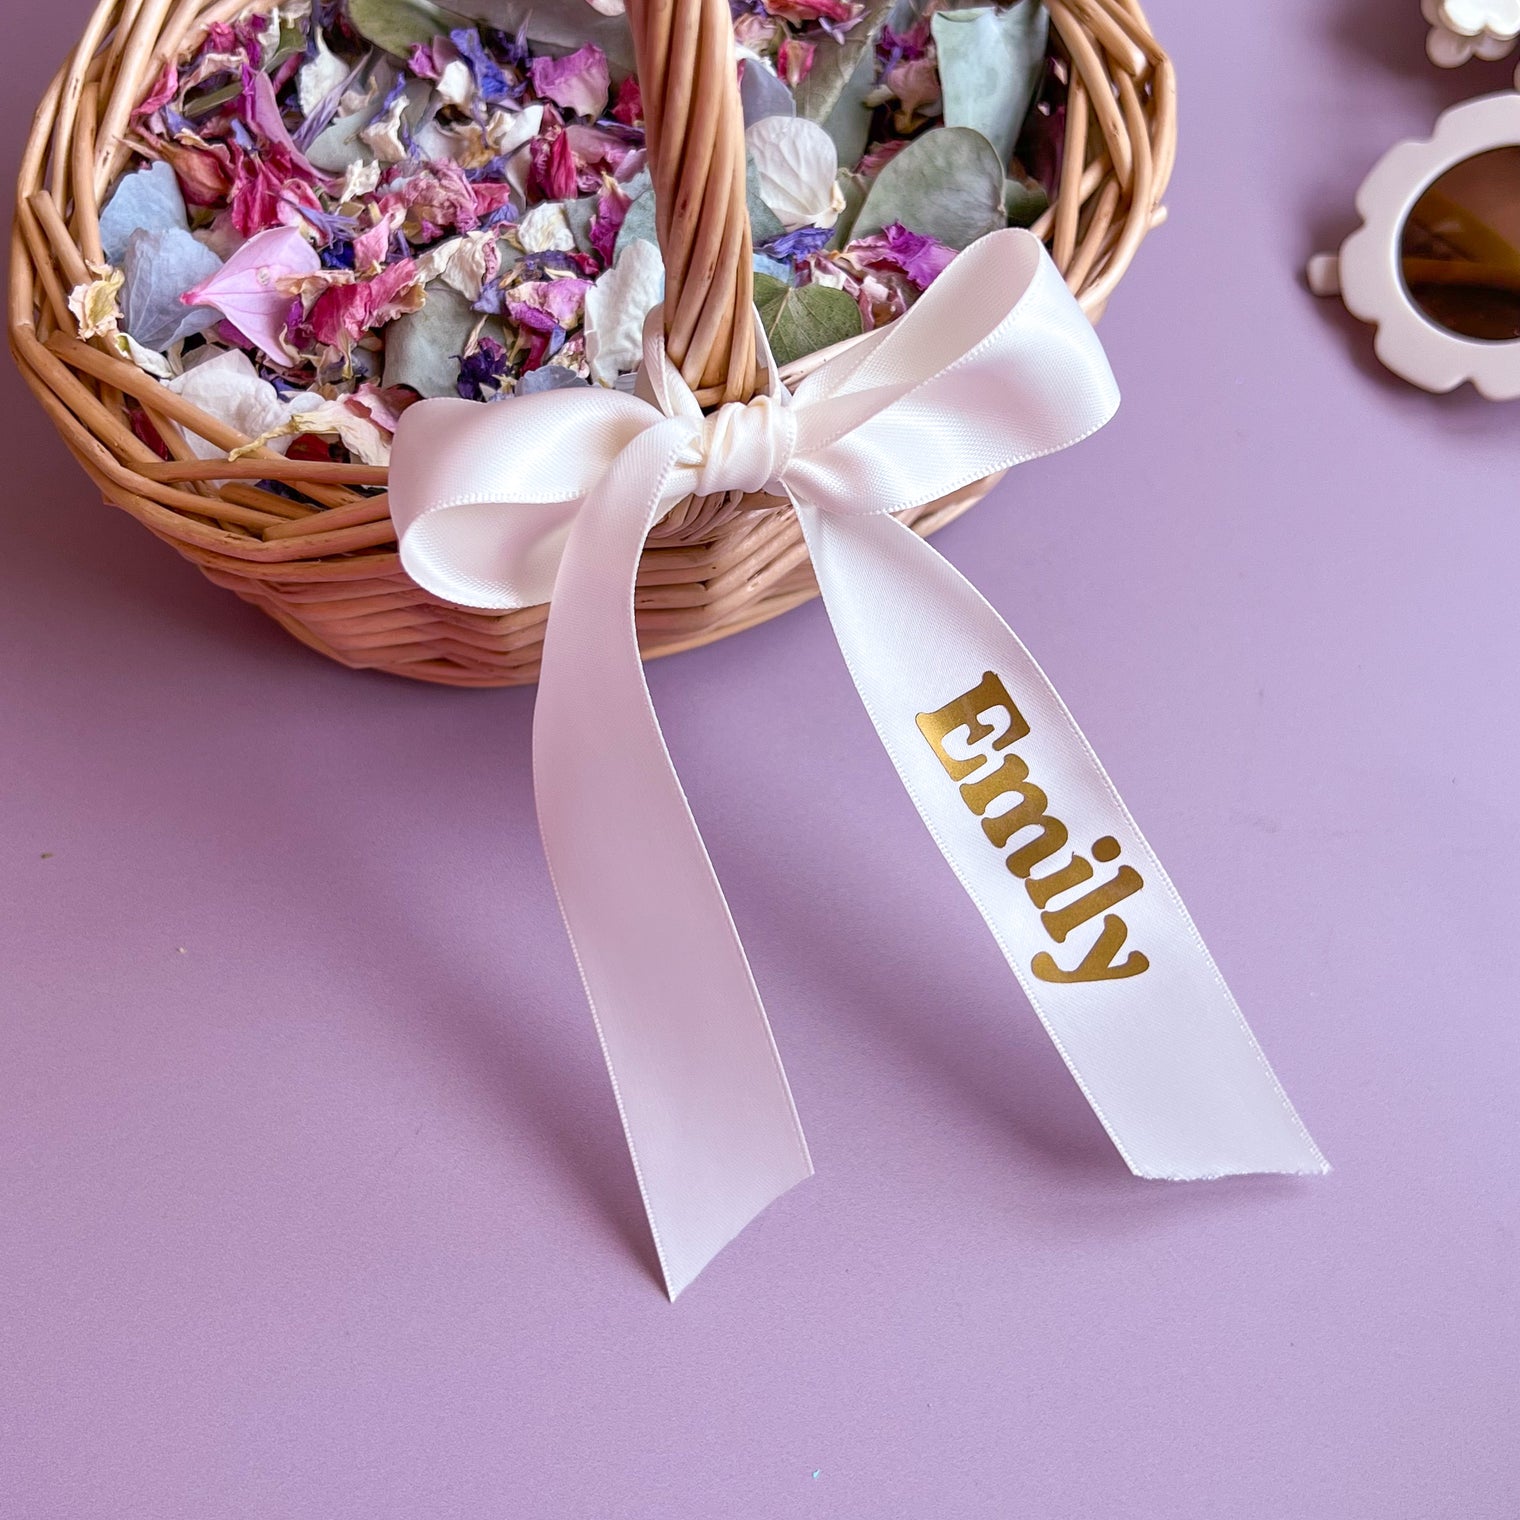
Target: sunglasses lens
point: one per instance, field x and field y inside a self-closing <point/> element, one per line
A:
<point x="1459" y="251"/>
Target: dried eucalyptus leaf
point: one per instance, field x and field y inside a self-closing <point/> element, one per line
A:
<point x="400" y="25"/>
<point x="204" y="104"/>
<point x="292" y="41"/>
<point x="854" y="188"/>
<point x="799" y="320"/>
<point x="638" y="225"/>
<point x="990" y="66"/>
<point x="849" y="123"/>
<point x="835" y="62"/>
<point x="764" y="224"/>
<point x="1024" y="202"/>
<point x="947" y="184"/>
<point x="422" y="349"/>
<point x="579" y="214"/>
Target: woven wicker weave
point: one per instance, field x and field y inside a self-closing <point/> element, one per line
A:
<point x="328" y="571"/>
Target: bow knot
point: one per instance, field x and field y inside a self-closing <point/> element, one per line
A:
<point x="745" y="446"/>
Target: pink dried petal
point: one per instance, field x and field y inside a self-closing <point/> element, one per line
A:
<point x="265" y="193"/>
<point x="437" y="197"/>
<point x="552" y="166"/>
<point x="205" y="175"/>
<point x="755" y="32"/>
<point x="840" y="12"/>
<point x="489" y="198"/>
<point x="794" y="60"/>
<point x="878" y="157"/>
<point x="422" y="62"/>
<point x="915" y="83"/>
<point x="561" y="301"/>
<point x="578" y="82"/>
<point x="371" y="246"/>
<point x="262" y="111"/>
<point x="629" y="106"/>
<point x="607" y="221"/>
<point x="165" y="89"/>
<point x="250" y="290"/>
<point x="342" y="314"/>
<point x="382" y="406"/>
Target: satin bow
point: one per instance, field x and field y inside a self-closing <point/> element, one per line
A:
<point x="550" y="498"/>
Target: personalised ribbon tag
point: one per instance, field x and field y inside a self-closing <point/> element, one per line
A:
<point x="550" y="497"/>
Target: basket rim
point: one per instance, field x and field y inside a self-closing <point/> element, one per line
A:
<point x="1119" y="150"/>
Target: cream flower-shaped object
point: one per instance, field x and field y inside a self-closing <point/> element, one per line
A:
<point x="1368" y="273"/>
<point x="1463" y="29"/>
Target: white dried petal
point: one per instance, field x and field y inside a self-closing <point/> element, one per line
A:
<point x="797" y="165"/>
<point x="545" y="227"/>
<point x="616" y="306"/>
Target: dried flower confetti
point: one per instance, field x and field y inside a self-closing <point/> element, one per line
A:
<point x="345" y="204"/>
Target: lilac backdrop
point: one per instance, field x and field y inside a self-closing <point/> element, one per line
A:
<point x="315" y="1202"/>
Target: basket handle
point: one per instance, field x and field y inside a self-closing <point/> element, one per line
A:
<point x="694" y="126"/>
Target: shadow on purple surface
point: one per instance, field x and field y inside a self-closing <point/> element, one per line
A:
<point x="983" y="1060"/>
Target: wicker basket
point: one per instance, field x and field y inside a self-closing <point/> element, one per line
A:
<point x="328" y="570"/>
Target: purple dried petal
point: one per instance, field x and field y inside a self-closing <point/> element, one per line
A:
<point x="797" y="244"/>
<point x="489" y="78"/>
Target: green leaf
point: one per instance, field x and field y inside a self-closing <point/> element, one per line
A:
<point x="400" y="25"/>
<point x="1024" y="200"/>
<point x="854" y="188"/>
<point x="579" y="213"/>
<point x="638" y="224"/>
<point x="799" y="320"/>
<point x="422" y="349"/>
<point x="835" y="62"/>
<point x="990" y="66"/>
<point x="197" y="106"/>
<point x="947" y="184"/>
<point x="848" y="121"/>
<point x="764" y="224"/>
<point x="292" y="41"/>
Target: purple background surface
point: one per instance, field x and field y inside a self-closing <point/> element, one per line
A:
<point x="315" y="1201"/>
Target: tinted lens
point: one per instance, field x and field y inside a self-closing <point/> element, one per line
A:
<point x="1459" y="250"/>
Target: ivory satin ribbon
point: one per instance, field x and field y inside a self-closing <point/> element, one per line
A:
<point x="549" y="498"/>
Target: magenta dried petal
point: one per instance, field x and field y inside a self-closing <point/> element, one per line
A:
<point x="629" y="106"/>
<point x="841" y="13"/>
<point x="794" y="60"/>
<point x="165" y="89"/>
<point x="923" y="259"/>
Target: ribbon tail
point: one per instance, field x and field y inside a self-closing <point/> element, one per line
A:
<point x="1075" y="897"/>
<point x="704" y="1102"/>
